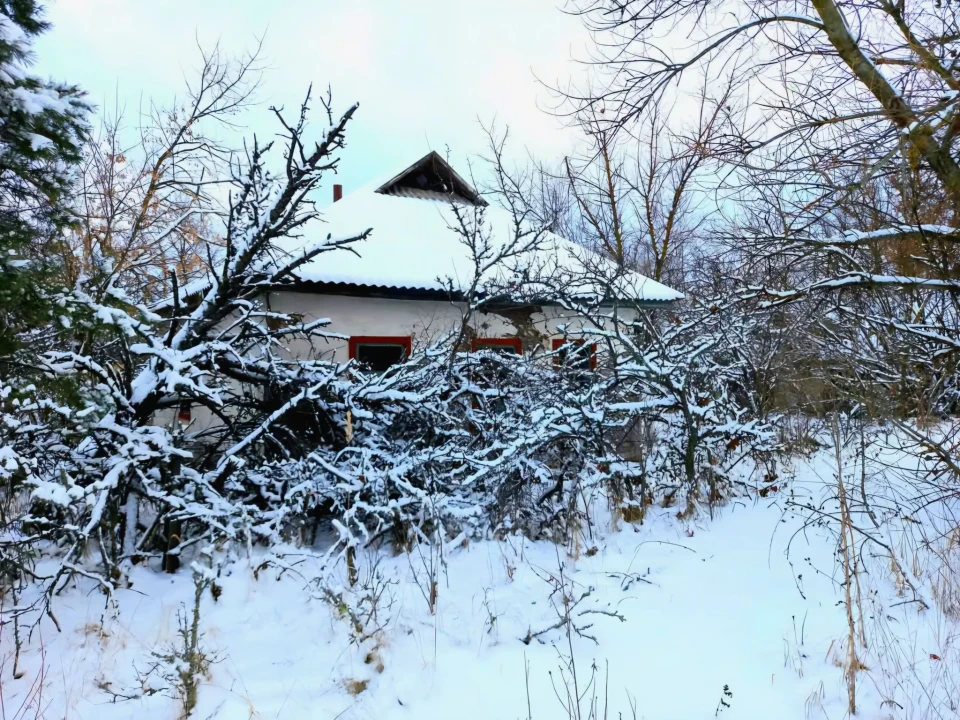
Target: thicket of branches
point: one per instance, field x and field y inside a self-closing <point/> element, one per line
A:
<point x="830" y="161"/>
<point x="831" y="173"/>
<point x="151" y="295"/>
<point x="813" y="234"/>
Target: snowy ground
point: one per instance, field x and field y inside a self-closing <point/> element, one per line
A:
<point x="748" y="601"/>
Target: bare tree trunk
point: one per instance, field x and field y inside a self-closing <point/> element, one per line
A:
<point x="131" y="514"/>
<point x="171" y="560"/>
<point x="900" y="113"/>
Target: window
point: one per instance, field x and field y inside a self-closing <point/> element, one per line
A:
<point x="491" y="377"/>
<point x="507" y="345"/>
<point x="581" y="358"/>
<point x="184" y="415"/>
<point x="379" y="352"/>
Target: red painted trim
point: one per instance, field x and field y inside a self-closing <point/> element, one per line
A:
<point x="560" y="342"/>
<point x="513" y="342"/>
<point x="356" y="340"/>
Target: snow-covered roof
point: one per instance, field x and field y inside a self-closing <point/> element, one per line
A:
<point x="412" y="246"/>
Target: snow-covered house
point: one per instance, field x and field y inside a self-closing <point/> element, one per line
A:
<point x="404" y="285"/>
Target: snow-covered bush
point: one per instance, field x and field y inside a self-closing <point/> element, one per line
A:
<point x="484" y="444"/>
<point x="682" y="387"/>
<point x="103" y="479"/>
<point x="692" y="385"/>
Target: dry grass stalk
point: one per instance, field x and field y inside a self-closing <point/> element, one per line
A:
<point x="849" y="573"/>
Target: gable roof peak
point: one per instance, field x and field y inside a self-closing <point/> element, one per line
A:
<point x="432" y="178"/>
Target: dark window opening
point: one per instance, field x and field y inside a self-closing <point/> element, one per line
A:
<point x="575" y="354"/>
<point x="380" y="357"/>
<point x="506" y="345"/>
<point x="183" y="412"/>
<point x="379" y="353"/>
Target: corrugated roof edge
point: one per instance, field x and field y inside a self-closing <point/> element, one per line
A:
<point x="420" y="293"/>
<point x="397" y="292"/>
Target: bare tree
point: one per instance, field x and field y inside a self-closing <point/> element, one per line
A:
<point x="833" y="86"/>
<point x="839" y="137"/>
<point x="840" y="200"/>
<point x="147" y="194"/>
<point x="640" y="197"/>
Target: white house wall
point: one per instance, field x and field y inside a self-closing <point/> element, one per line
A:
<point x="423" y="320"/>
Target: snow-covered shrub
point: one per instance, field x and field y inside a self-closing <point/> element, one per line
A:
<point x="105" y="483"/>
<point x="692" y="385"/>
<point x="682" y="386"/>
<point x="486" y="443"/>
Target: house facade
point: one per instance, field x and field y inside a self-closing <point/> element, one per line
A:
<point x="403" y="287"/>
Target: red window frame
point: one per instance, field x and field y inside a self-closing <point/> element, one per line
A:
<point x="405" y="340"/>
<point x="513" y="342"/>
<point x="560" y="342"/>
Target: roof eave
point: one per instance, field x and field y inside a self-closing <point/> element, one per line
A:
<point x="319" y="287"/>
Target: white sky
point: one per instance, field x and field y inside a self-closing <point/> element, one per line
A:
<point x="423" y="71"/>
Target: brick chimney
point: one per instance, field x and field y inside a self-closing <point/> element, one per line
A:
<point x="337" y="192"/>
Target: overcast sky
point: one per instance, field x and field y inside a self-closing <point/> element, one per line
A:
<point x="423" y="71"/>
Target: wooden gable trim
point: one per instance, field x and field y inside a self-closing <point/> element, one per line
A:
<point x="432" y="162"/>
